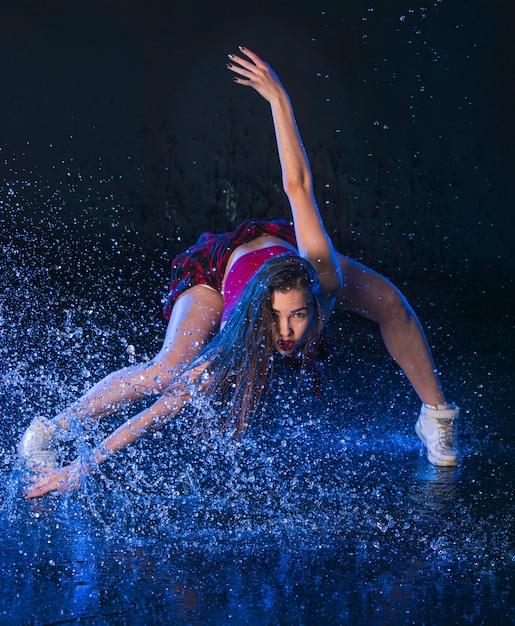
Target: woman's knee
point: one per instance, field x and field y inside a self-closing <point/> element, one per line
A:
<point x="392" y="306"/>
<point x="369" y="294"/>
<point x="193" y="322"/>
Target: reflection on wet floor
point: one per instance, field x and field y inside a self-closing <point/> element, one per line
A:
<point x="435" y="488"/>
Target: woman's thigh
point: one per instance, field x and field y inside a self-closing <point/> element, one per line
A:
<point x="195" y="318"/>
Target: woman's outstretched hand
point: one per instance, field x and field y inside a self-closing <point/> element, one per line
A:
<point x="64" y="479"/>
<point x="254" y="72"/>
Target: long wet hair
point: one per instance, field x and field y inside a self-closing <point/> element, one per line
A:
<point x="239" y="360"/>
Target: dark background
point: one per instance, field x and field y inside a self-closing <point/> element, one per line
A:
<point x="123" y="137"/>
<point x="122" y="130"/>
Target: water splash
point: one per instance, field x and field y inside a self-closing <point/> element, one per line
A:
<point x="325" y="510"/>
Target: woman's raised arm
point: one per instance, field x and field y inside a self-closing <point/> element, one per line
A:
<point x="312" y="239"/>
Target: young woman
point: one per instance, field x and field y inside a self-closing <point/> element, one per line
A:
<point x="238" y="298"/>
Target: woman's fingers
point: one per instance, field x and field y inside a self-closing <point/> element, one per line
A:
<point x="41" y="485"/>
<point x="244" y="74"/>
<point x="243" y="66"/>
<point x="257" y="74"/>
<point x="252" y="55"/>
<point x="249" y="70"/>
<point x="62" y="480"/>
<point x="251" y="65"/>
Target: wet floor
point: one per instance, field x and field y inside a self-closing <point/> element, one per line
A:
<point x="331" y="533"/>
<point x="327" y="513"/>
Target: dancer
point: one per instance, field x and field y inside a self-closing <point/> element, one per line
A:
<point x="235" y="300"/>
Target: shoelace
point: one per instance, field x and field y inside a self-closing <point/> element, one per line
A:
<point x="447" y="432"/>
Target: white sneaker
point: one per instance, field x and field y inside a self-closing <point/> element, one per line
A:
<point x="35" y="447"/>
<point x="436" y="426"/>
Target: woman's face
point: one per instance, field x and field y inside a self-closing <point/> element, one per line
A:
<point x="292" y="311"/>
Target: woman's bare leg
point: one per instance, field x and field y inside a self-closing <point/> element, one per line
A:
<point x="195" y="318"/>
<point x="366" y="292"/>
